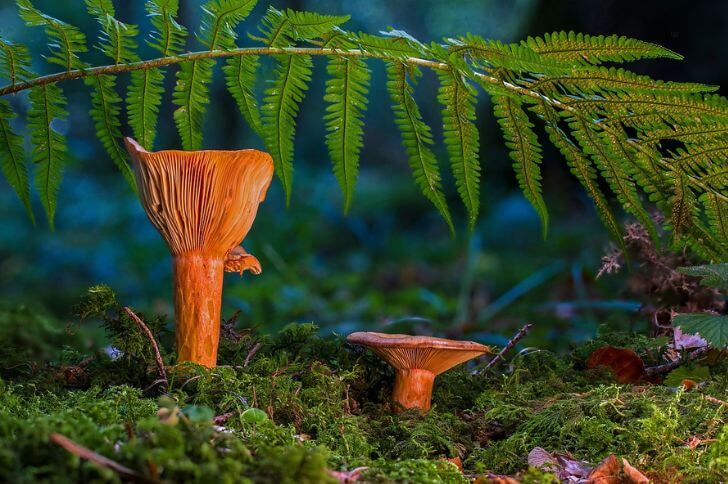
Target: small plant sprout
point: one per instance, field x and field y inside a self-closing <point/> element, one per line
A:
<point x="417" y="361"/>
<point x="203" y="203"/>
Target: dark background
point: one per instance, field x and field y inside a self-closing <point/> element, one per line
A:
<point x="391" y="263"/>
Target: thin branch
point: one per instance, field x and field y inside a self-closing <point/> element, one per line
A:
<point x="513" y="341"/>
<point x="251" y="354"/>
<point x="161" y="373"/>
<point x="659" y="369"/>
<point x="87" y="454"/>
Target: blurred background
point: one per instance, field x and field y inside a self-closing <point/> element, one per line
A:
<point x="391" y="264"/>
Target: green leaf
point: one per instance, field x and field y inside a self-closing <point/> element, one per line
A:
<point x="117" y="41"/>
<point x="142" y="104"/>
<point x="712" y="327"/>
<point x="281" y="28"/>
<point x="416" y="136"/>
<point x="676" y="376"/>
<point x="280" y="110"/>
<point x="14" y="61"/>
<point x="580" y="48"/>
<point x="254" y="416"/>
<point x="168" y="36"/>
<point x="524" y="151"/>
<point x="66" y="41"/>
<point x="105" y="109"/>
<point x="346" y="93"/>
<point x="191" y="93"/>
<point x="457" y="97"/>
<point x="712" y="275"/>
<point x="12" y="159"/>
<point x="47" y="104"/>
<point x="240" y="77"/>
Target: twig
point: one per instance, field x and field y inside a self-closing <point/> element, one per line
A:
<point x="251" y="354"/>
<point x="161" y="373"/>
<point x="656" y="370"/>
<point x="513" y="341"/>
<point x="98" y="459"/>
<point x="715" y="400"/>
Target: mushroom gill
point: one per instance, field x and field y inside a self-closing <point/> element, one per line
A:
<point x="417" y="360"/>
<point x="203" y="203"/>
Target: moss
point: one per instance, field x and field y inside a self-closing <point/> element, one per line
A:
<point x="300" y="404"/>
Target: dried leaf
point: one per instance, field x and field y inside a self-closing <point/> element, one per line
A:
<point x="614" y="470"/>
<point x="626" y="365"/>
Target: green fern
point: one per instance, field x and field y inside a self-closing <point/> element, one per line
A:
<point x="346" y="93"/>
<point x="49" y="146"/>
<point x="12" y="159"/>
<point x="524" y="150"/>
<point x="461" y="138"/>
<point x="416" y="136"/>
<point x="280" y="110"/>
<point x="191" y="94"/>
<point x="67" y="41"/>
<point x="578" y="48"/>
<point x="146" y="86"/>
<point x="655" y="144"/>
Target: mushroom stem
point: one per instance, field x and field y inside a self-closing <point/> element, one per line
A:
<point x="413" y="389"/>
<point x="197" y="297"/>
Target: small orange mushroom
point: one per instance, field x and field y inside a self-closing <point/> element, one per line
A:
<point x="417" y="361"/>
<point x="203" y="203"/>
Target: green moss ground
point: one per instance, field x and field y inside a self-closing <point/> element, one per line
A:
<point x="321" y="404"/>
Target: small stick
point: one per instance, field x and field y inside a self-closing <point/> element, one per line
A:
<point x="715" y="400"/>
<point x="656" y="370"/>
<point x="513" y="341"/>
<point x="98" y="459"/>
<point x="252" y="353"/>
<point x="157" y="355"/>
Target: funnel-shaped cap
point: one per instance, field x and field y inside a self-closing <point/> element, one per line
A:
<point x="404" y="352"/>
<point x="201" y="200"/>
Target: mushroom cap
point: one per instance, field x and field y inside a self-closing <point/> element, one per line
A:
<point x="419" y="352"/>
<point x="201" y="200"/>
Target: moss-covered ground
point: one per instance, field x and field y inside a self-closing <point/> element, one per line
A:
<point x="298" y="405"/>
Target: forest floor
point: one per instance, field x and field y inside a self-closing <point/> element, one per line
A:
<point x="296" y="407"/>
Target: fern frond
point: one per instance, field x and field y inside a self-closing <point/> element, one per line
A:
<point x="683" y="203"/>
<point x="669" y="107"/>
<point x="12" y="159"/>
<point x="416" y="136"/>
<point x="281" y="28"/>
<point x="279" y="113"/>
<point x="118" y="38"/>
<point x="580" y="48"/>
<point x="147" y="86"/>
<point x="612" y="168"/>
<point x="142" y="104"/>
<point x="391" y="46"/>
<point x="167" y="36"/>
<point x="699" y="160"/>
<point x="105" y="109"/>
<point x="524" y="151"/>
<point x="496" y="54"/>
<point x="602" y="79"/>
<point x="581" y="167"/>
<point x="694" y="133"/>
<point x="346" y="93"/>
<point x="47" y="104"/>
<point x="240" y="76"/>
<point x="716" y="211"/>
<point x="14" y="61"/>
<point x="461" y="138"/>
<point x="66" y="41"/>
<point x="191" y="93"/>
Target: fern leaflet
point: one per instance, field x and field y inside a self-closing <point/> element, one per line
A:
<point x="14" y="61"/>
<point x="12" y="160"/>
<point x="240" y="76"/>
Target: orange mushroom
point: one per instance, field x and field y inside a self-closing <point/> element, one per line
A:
<point x="417" y="361"/>
<point x="203" y="203"/>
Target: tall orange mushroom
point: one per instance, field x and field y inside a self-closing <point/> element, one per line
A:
<point x="203" y="203"/>
<point x="417" y="360"/>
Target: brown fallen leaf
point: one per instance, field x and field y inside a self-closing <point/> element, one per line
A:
<point x="625" y="364"/>
<point x="614" y="470"/>
<point x="455" y="460"/>
<point x="496" y="479"/>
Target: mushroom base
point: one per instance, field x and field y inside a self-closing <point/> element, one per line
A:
<point x="197" y="298"/>
<point x="413" y="389"/>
